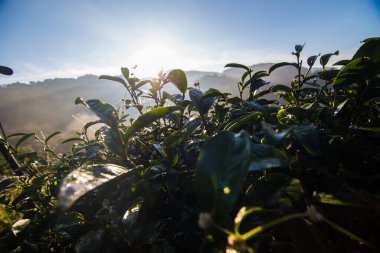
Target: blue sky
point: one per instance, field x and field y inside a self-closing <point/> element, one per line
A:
<point x="45" y="39"/>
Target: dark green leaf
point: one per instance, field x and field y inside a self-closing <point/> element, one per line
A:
<point x="178" y="78"/>
<point x="148" y="118"/>
<point x="72" y="139"/>
<point x="311" y="60"/>
<point x="140" y="84"/>
<point x="308" y="137"/>
<point x="202" y="104"/>
<point x="370" y="48"/>
<point x="51" y="136"/>
<point x="299" y="48"/>
<point x="6" y="71"/>
<point x="281" y="64"/>
<point x="196" y="97"/>
<point x="353" y="69"/>
<point x="342" y="63"/>
<point x="114" y="78"/>
<point x="340" y="107"/>
<point x="259" y="74"/>
<point x="213" y="93"/>
<point x="91" y="242"/>
<point x="111" y="138"/>
<point x="106" y="112"/>
<point x="257" y="84"/>
<point x="171" y="144"/>
<point x="328" y="74"/>
<point x="280" y="89"/>
<point x="326" y="57"/>
<point x="22" y="139"/>
<point x="266" y="189"/>
<point x="266" y="163"/>
<point x="86" y="179"/>
<point x="274" y="138"/>
<point x="222" y="166"/>
<point x="91" y="123"/>
<point x="192" y="126"/>
<point x="306" y="237"/>
<point x="375" y="130"/>
<point x="244" y="76"/>
<point x="125" y="72"/>
<point x="236" y="124"/>
<point x="237" y="65"/>
<point x="68" y="220"/>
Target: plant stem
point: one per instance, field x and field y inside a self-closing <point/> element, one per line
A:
<point x="273" y="223"/>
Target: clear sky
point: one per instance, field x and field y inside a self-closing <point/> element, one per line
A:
<point x="44" y="39"/>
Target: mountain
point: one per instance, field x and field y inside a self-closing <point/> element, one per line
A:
<point x="48" y="106"/>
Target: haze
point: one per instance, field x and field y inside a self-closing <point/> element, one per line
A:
<point x="48" y="39"/>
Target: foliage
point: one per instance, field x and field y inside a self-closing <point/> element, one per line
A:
<point x="210" y="172"/>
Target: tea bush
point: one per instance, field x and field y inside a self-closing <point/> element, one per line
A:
<point x="202" y="171"/>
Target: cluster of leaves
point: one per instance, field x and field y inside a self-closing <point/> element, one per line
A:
<point x="204" y="171"/>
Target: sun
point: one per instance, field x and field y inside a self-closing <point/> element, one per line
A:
<point x="156" y="54"/>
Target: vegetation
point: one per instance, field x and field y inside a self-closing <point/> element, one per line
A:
<point x="205" y="171"/>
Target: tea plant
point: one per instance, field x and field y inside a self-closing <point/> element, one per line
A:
<point x="201" y="171"/>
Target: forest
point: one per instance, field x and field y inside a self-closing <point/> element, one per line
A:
<point x="280" y="167"/>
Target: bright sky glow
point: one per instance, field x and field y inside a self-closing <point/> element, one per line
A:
<point x="46" y="39"/>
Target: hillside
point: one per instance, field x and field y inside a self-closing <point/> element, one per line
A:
<point x="48" y="106"/>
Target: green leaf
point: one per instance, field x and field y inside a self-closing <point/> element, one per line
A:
<point x="51" y="136"/>
<point x="69" y="220"/>
<point x="326" y="57"/>
<point x="257" y="84"/>
<point x="281" y="64"/>
<point x="213" y="93"/>
<point x="222" y="166"/>
<point x="86" y="179"/>
<point x="370" y="48"/>
<point x="308" y="137"/>
<point x="259" y="74"/>
<point x="280" y="89"/>
<point x="274" y="138"/>
<point x="91" y="123"/>
<point x="192" y="126"/>
<point x="375" y="130"/>
<point x="196" y="97"/>
<point x="178" y="78"/>
<point x="171" y="144"/>
<point x="266" y="189"/>
<point x="114" y="78"/>
<point x="299" y="48"/>
<point x="125" y="72"/>
<point x="111" y="138"/>
<point x="354" y="69"/>
<point x="340" y="107"/>
<point x="148" y="118"/>
<point x="201" y="104"/>
<point x="311" y="60"/>
<point x="72" y="139"/>
<point x="91" y="242"/>
<point x="306" y="237"/>
<point x="140" y="84"/>
<point x="236" y="124"/>
<point x="106" y="112"/>
<point x="22" y="139"/>
<point x="328" y="74"/>
<point x="342" y="63"/>
<point x="266" y="163"/>
<point x="237" y="65"/>
<point x="19" y="226"/>
<point x="6" y="71"/>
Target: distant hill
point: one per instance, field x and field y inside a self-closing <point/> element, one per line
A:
<point x="48" y="106"/>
